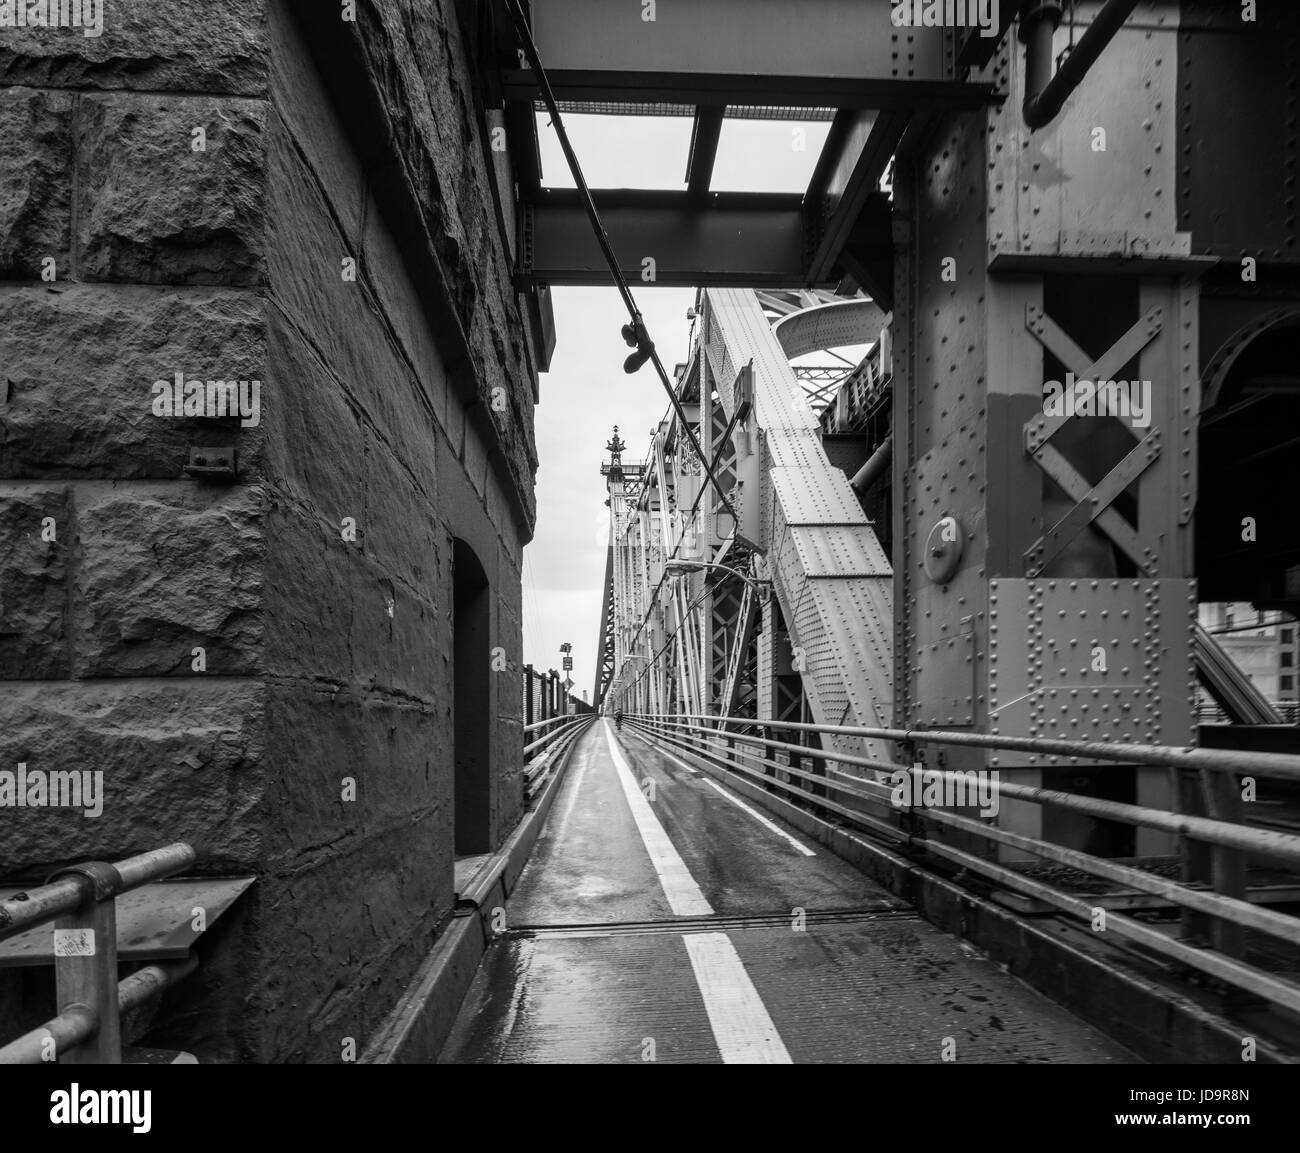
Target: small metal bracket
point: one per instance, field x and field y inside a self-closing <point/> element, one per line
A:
<point x="105" y="880"/>
<point x="217" y="463"/>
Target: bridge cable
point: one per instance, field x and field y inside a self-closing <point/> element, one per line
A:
<point x="639" y="336"/>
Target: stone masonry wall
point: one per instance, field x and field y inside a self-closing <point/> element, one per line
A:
<point x="318" y="584"/>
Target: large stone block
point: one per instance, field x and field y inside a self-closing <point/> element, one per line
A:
<point x="404" y="531"/>
<point x="394" y="752"/>
<point x="79" y="366"/>
<point x="152" y="210"/>
<point x="35" y="182"/>
<point x="401" y="641"/>
<point x="33" y="589"/>
<point x="404" y="306"/>
<point x="180" y="762"/>
<point x="340" y="939"/>
<point x="315" y="446"/>
<point x="307" y="609"/>
<point x="183" y="45"/>
<point x="443" y="166"/>
<point x="165" y="569"/>
<point x="341" y="321"/>
<point x="305" y="121"/>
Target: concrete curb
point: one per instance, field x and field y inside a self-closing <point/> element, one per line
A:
<point x="1099" y="983"/>
<point x="418" y="1026"/>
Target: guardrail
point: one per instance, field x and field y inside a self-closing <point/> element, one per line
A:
<point x="82" y="901"/>
<point x="543" y="753"/>
<point x="742" y="746"/>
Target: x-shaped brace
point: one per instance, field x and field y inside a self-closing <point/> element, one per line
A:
<point x="1092" y="502"/>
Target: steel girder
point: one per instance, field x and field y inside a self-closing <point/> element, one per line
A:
<point x="717" y="58"/>
<point x="818" y="52"/>
<point x="831" y="578"/>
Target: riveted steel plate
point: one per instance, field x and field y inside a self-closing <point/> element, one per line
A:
<point x="808" y="497"/>
<point x="945" y="682"/>
<point x="1090" y="659"/>
<point x="829" y="551"/>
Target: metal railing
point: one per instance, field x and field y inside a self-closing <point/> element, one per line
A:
<point x="543" y="697"/>
<point x="749" y="749"/>
<point x="552" y="739"/>
<point x="81" y="900"/>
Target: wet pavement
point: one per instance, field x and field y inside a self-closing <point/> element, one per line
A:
<point x="663" y="918"/>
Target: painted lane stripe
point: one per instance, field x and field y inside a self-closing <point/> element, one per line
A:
<point x="664" y="752"/>
<point x="742" y="1028"/>
<point x="684" y="895"/>
<point x="762" y="820"/>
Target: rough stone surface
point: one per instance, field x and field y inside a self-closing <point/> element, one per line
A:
<point x="326" y="658"/>
<point x="184" y="45"/>
<point x="341" y="325"/>
<point x="33" y="588"/>
<point x="77" y="366"/>
<point x="339" y="943"/>
<point x="154" y="211"/>
<point x="163" y="570"/>
<point x="35" y="182"/>
<point x="435" y="128"/>
<point x="181" y="762"/>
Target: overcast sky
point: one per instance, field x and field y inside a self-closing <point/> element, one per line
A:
<point x="586" y="391"/>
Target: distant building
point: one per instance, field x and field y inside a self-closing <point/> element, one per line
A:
<point x="1263" y="645"/>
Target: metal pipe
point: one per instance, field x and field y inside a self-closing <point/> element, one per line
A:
<point x="1276" y="845"/>
<point x="876" y="464"/>
<point x="1266" y="985"/>
<point x="71" y="1028"/>
<point x="43" y="903"/>
<point x="1045" y="95"/>
<point x="77" y="1024"/>
<point x="152" y="980"/>
<point x="541" y="742"/>
<point x="1283" y="766"/>
<point x="1232" y="909"/>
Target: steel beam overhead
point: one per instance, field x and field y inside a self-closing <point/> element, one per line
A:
<point x="848" y="171"/>
<point x="762" y="40"/>
<point x="750" y="239"/>
<point x="705" y="134"/>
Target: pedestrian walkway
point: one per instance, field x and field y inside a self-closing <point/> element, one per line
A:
<point x="663" y="918"/>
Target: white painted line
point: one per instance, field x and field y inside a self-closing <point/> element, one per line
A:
<point x="684" y="895"/>
<point x="762" y="820"/>
<point x="741" y="1025"/>
<point x="664" y="752"/>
